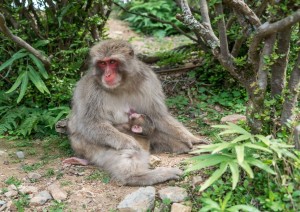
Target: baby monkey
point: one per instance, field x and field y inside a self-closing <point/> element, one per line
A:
<point x="139" y="126"/>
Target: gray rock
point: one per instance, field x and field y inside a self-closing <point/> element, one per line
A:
<point x="41" y="198"/>
<point x="28" y="190"/>
<point x="197" y="180"/>
<point x="176" y="207"/>
<point x="234" y="118"/>
<point x="57" y="193"/>
<point x="12" y="187"/>
<point x="3" y="154"/>
<point x="20" y="155"/>
<point x="154" y="161"/>
<point x="175" y="194"/>
<point x="2" y="202"/>
<point x="34" y="176"/>
<point x="138" y="201"/>
<point x="11" y="193"/>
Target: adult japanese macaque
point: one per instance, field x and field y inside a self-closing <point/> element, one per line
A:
<point x="116" y="84"/>
<point x="140" y="126"/>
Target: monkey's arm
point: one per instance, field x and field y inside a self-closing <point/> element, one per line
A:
<point x="102" y="134"/>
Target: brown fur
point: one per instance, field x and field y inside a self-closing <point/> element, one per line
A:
<point x="147" y="126"/>
<point x="97" y="108"/>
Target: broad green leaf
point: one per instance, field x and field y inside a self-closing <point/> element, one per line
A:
<point x="15" y="56"/>
<point x="40" y="66"/>
<point x="41" y="43"/>
<point x="263" y="139"/>
<point x="243" y="208"/>
<point x="37" y="81"/>
<point x="221" y="126"/>
<point x="234" y="168"/>
<point x="241" y="138"/>
<point x="255" y="146"/>
<point x="225" y="201"/>
<point x="289" y="154"/>
<point x="23" y="86"/>
<point x="17" y="83"/>
<point x="210" y="203"/>
<point x="221" y="147"/>
<point x="200" y="157"/>
<point x="207" y="208"/>
<point x="260" y="165"/>
<point x="215" y="176"/>
<point x="240" y="153"/>
<point x="239" y="129"/>
<point x="205" y="148"/>
<point x="247" y="168"/>
<point x="208" y="162"/>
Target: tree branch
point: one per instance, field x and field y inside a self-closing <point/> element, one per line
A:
<point x="291" y="98"/>
<point x="222" y="31"/>
<point x="262" y="75"/>
<point x="22" y="43"/>
<point x="241" y="6"/>
<point x="267" y="29"/>
<point x="278" y="69"/>
<point x="205" y="14"/>
<point x="207" y="34"/>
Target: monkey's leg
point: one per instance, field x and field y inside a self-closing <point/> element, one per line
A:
<point x="130" y="167"/>
<point x="171" y="136"/>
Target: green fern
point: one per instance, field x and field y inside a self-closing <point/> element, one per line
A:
<point x="23" y="121"/>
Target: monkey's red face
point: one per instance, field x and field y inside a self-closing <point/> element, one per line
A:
<point x="109" y="70"/>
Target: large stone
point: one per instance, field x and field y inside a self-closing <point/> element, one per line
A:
<point x="28" y="189"/>
<point x="20" y="155"/>
<point x="138" y="201"/>
<point x="176" y="207"/>
<point x="57" y="193"/>
<point x="11" y="193"/>
<point x="234" y="118"/>
<point x="154" y="161"/>
<point x="41" y="198"/>
<point x="173" y="193"/>
<point x="34" y="176"/>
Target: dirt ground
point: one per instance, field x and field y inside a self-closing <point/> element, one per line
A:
<point x="83" y="184"/>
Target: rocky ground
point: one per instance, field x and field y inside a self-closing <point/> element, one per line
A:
<point x="33" y="178"/>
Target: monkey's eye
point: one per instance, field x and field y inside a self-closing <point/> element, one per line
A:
<point x="101" y="63"/>
<point x="112" y="61"/>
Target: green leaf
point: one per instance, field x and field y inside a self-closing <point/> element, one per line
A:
<point x="205" y="148"/>
<point x="225" y="201"/>
<point x="240" y="153"/>
<point x="208" y="162"/>
<point x="210" y="203"/>
<point x="23" y="86"/>
<point x="234" y="168"/>
<point x="255" y="146"/>
<point x="221" y="147"/>
<point x="36" y="80"/>
<point x="17" y="83"/>
<point x="264" y="139"/>
<point x="40" y="66"/>
<point x="241" y="138"/>
<point x="243" y="208"/>
<point x="260" y="165"/>
<point x="247" y="168"/>
<point x="15" y="56"/>
<point x="215" y="176"/>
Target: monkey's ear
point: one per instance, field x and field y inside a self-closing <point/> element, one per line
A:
<point x="137" y="129"/>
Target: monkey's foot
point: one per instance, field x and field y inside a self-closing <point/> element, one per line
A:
<point x="76" y="161"/>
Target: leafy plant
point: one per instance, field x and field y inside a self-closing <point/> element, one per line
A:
<point x="222" y="206"/>
<point x="27" y="73"/>
<point x="239" y="152"/>
<point x="164" y="10"/>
